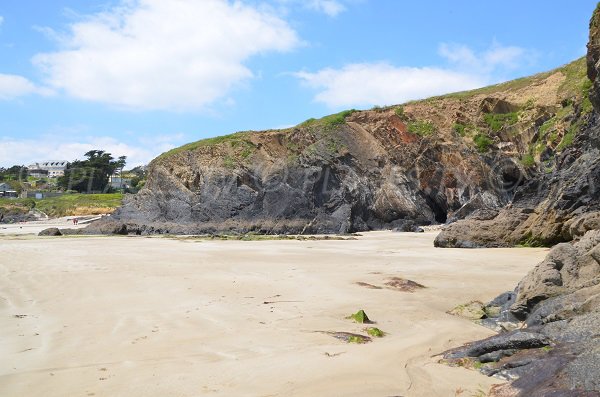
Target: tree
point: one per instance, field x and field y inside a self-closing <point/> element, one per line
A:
<point x="92" y="174"/>
<point x="120" y="163"/>
<point x="138" y="180"/>
<point x="14" y="173"/>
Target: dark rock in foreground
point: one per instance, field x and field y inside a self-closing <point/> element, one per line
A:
<point x="557" y="350"/>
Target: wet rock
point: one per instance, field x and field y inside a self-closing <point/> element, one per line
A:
<point x="496" y="356"/>
<point x="473" y="310"/>
<point x="349" y="337"/>
<point x="558" y="350"/>
<point x="402" y="284"/>
<point x="406" y="226"/>
<point x="360" y="317"/>
<point x="52" y="231"/>
<point x="567" y="268"/>
<point x="375" y="332"/>
<point x="517" y="340"/>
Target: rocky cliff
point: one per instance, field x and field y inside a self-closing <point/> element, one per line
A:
<point x="549" y="340"/>
<point x="424" y="162"/>
<point x="558" y="203"/>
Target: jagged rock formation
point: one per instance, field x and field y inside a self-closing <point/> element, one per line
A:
<point x="551" y="322"/>
<point x="557" y="204"/>
<point x="556" y="350"/>
<point x="430" y="161"/>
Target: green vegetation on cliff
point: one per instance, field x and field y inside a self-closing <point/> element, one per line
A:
<point x="560" y="96"/>
<point x="575" y="81"/>
<point x="236" y="140"/>
<point x="65" y="205"/>
<point x="422" y="128"/>
<point x="497" y="121"/>
<point x="482" y="142"/>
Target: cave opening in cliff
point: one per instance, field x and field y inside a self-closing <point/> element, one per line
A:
<point x="440" y="211"/>
<point x="511" y="178"/>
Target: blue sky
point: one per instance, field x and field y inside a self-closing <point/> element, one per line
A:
<point x="138" y="77"/>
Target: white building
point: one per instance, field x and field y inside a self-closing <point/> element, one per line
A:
<point x="55" y="168"/>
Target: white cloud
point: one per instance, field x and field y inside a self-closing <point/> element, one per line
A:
<point x="48" y="147"/>
<point x="329" y="7"/>
<point x="13" y="86"/>
<point x="496" y="56"/>
<point x="170" y="55"/>
<point x="369" y="84"/>
<point x="380" y="83"/>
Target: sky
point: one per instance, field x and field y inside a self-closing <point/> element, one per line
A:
<point x="139" y="77"/>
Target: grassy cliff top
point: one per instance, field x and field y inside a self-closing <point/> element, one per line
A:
<point x="543" y="89"/>
<point x="575" y="82"/>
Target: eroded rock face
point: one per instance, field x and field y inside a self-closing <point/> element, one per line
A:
<point x="593" y="57"/>
<point x="566" y="269"/>
<point x="366" y="173"/>
<point x="550" y="207"/>
<point x="555" y="350"/>
<point x="442" y="159"/>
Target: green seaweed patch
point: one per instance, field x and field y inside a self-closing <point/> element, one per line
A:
<point x="360" y="317"/>
<point x="349" y="337"/>
<point x="358" y="339"/>
<point x="473" y="310"/>
<point x="375" y="332"/>
<point x="464" y="362"/>
<point x="530" y="241"/>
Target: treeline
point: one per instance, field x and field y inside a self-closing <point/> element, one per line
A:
<point x="90" y="175"/>
<point x="93" y="173"/>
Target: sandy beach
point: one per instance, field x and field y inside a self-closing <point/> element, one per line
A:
<point x="135" y="316"/>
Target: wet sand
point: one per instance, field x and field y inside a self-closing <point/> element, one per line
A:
<point x="134" y="316"/>
<point x="34" y="227"/>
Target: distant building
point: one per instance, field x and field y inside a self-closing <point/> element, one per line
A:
<point x="7" y="191"/>
<point x="55" y="168"/>
<point x="37" y="172"/>
<point x="116" y="182"/>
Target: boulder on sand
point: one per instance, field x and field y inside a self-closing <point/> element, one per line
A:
<point x="51" y="231"/>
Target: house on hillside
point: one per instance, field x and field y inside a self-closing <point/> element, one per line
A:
<point x="55" y="168"/>
<point x="37" y="172"/>
<point x="7" y="191"/>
